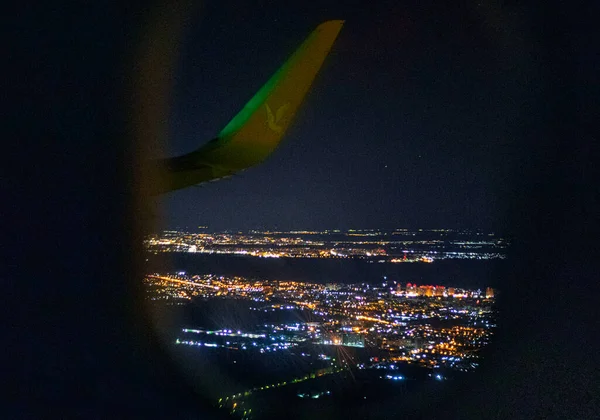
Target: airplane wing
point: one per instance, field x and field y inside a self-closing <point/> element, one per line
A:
<point x="257" y="129"/>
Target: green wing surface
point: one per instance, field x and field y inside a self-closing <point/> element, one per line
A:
<point x="258" y="128"/>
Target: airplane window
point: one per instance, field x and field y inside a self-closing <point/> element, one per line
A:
<point x="259" y="210"/>
<point x="348" y="260"/>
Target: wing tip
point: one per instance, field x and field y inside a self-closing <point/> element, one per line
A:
<point x="331" y="24"/>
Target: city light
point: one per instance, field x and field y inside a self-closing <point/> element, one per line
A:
<point x="396" y="246"/>
<point x="382" y="329"/>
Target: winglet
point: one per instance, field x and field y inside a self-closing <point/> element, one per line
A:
<point x="293" y="79"/>
<point x="257" y="129"/>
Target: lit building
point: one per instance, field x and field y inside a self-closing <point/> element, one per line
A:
<point x="425" y="291"/>
<point x="489" y="293"/>
<point x="345" y="339"/>
<point x="353" y="340"/>
<point x="331" y="339"/>
<point x="411" y="290"/>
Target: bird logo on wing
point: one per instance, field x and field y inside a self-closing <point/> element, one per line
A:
<point x="274" y="119"/>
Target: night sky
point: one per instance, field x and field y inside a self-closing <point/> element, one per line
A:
<point x="413" y="121"/>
